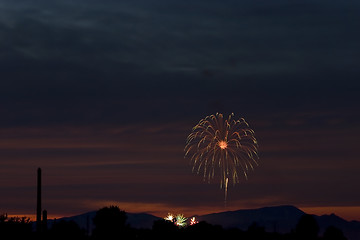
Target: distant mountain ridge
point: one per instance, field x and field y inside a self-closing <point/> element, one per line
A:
<point x="275" y="219"/>
<point x="135" y="220"/>
<point x="281" y="219"/>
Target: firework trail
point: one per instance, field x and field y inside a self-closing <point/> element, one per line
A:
<point x="223" y="148"/>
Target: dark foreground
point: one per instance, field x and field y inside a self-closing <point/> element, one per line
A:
<point x="110" y="223"/>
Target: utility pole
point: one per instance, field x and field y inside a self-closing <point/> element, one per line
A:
<point x="38" y="205"/>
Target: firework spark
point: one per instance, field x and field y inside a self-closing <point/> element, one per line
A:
<point x="179" y="220"/>
<point x="193" y="221"/>
<point x="223" y="148"/>
<point x="170" y="217"/>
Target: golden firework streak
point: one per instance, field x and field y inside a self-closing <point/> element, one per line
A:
<point x="221" y="148"/>
<point x="226" y="188"/>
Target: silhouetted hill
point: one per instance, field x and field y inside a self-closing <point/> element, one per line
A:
<point x="135" y="220"/>
<point x="351" y="229"/>
<point x="275" y="219"/>
<point x="141" y="220"/>
<point x="281" y="219"/>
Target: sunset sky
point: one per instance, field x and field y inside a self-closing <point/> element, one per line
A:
<point x="102" y="95"/>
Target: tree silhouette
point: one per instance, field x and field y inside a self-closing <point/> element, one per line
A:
<point x="307" y="227"/>
<point x="255" y="231"/>
<point x="15" y="227"/>
<point x="204" y="230"/>
<point x="109" y="223"/>
<point x="162" y="229"/>
<point x="3" y="218"/>
<point x="333" y="233"/>
<point x="66" y="229"/>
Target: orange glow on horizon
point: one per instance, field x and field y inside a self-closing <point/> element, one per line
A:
<point x="348" y="213"/>
<point x="32" y="217"/>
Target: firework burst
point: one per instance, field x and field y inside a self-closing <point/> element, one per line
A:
<point x="170" y="217"/>
<point x="223" y="148"/>
<point x="179" y="220"/>
<point x="193" y="221"/>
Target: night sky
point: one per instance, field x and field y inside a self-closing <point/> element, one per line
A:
<point x="102" y="95"/>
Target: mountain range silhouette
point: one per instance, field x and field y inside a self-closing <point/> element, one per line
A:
<point x="281" y="219"/>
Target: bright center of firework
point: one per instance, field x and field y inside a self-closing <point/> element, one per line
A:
<point x="222" y="144"/>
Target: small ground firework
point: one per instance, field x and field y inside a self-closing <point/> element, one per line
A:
<point x="222" y="148"/>
<point x="193" y="221"/>
<point x="170" y="217"/>
<point x="179" y="220"/>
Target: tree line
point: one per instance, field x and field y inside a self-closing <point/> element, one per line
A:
<point x="110" y="224"/>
